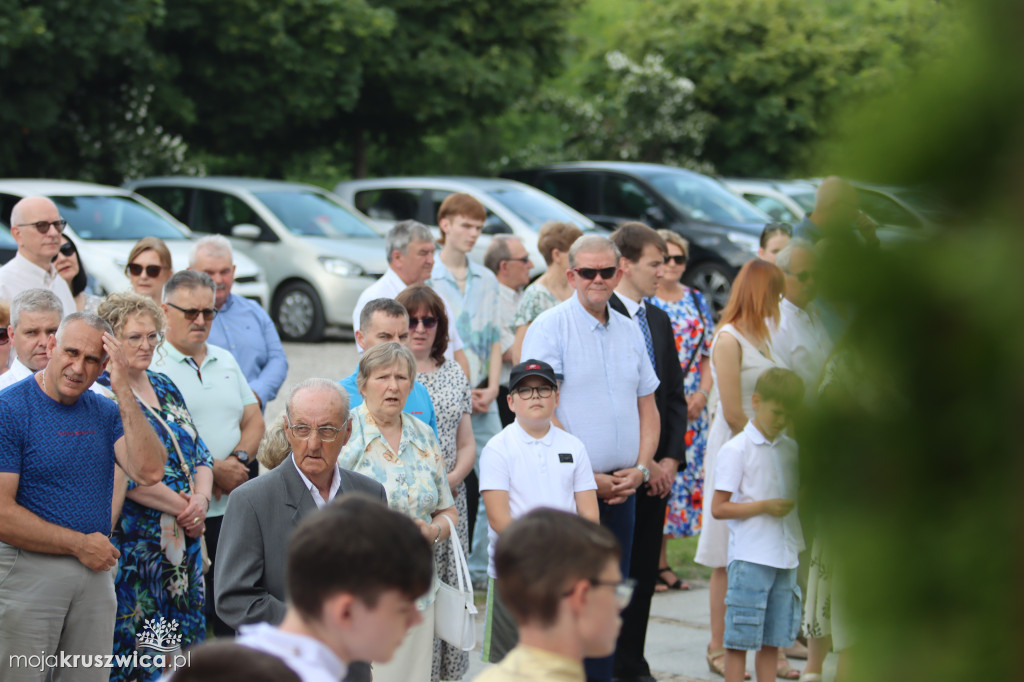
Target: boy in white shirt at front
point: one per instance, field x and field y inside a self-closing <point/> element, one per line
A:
<point x="531" y="463"/>
<point x="755" y="489"/>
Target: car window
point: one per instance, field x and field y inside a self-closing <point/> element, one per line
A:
<point x="311" y="214"/>
<point x="390" y="204"/>
<point x="437" y="197"/>
<point x="218" y="212"/>
<point x="569" y="188"/>
<point x="533" y="208"/>
<point x="704" y="199"/>
<point x="7" y="202"/>
<point x="6" y="240"/>
<point x="174" y="200"/>
<point x="805" y="199"/>
<point x="886" y="210"/>
<point x="114" y="217"/>
<point x="772" y="206"/>
<point x="623" y="197"/>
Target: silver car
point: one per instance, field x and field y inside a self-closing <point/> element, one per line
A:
<point x="105" y="222"/>
<point x="318" y="253"/>
<point x="512" y="207"/>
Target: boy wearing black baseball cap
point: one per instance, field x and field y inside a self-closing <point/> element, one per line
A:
<point x="532" y="463"/>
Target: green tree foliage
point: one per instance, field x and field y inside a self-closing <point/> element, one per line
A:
<point x="774" y="72"/>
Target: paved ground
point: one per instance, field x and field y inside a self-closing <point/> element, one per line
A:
<point x="677" y="636"/>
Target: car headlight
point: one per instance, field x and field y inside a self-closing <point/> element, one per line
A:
<point x="742" y="240"/>
<point x="340" y="267"/>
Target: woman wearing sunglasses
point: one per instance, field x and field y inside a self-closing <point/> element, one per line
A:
<point x="693" y="325"/>
<point x="71" y="270"/>
<point x="450" y="392"/>
<point x="149" y="267"/>
<point x="5" y="339"/>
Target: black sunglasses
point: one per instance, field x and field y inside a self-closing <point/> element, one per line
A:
<point x="429" y="322"/>
<point x="679" y="260"/>
<point x="804" y="275"/>
<point x="67" y="249"/>
<point x="192" y="313"/>
<point x="592" y="273"/>
<point x="44" y="225"/>
<point x="152" y="271"/>
<point x="4" y="338"/>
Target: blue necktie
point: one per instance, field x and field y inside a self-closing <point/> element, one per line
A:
<point x="641" y="318"/>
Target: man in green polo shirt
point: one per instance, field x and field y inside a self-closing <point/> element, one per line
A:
<point x="223" y="407"/>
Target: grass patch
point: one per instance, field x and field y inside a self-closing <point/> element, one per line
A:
<point x="680" y="554"/>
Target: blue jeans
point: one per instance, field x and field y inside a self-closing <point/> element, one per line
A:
<point x="620" y="519"/>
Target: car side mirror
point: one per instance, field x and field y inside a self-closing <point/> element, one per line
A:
<point x="655" y="216"/>
<point x="246" y="231"/>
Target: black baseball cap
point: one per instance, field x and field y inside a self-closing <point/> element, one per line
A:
<point x="532" y="368"/>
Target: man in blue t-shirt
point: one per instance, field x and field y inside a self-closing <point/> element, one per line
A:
<point x="58" y="446"/>
<point x="383" y="320"/>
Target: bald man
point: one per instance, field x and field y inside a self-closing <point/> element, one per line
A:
<point x="36" y="225"/>
<point x="836" y="211"/>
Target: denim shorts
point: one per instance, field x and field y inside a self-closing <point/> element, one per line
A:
<point x="762" y="606"/>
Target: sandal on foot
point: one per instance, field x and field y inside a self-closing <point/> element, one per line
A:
<point x="716" y="663"/>
<point x="784" y="670"/>
<point x="662" y="582"/>
<point x="810" y="677"/>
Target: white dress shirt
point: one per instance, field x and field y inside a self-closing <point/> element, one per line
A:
<point x="310" y="658"/>
<point x="753" y="469"/>
<point x="391" y="285"/>
<point x="313" y="490"/>
<point x="605" y="368"/>
<point x="20" y="274"/>
<point x="802" y="344"/>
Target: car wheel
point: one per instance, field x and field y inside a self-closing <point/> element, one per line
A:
<point x="714" y="280"/>
<point x="298" y="313"/>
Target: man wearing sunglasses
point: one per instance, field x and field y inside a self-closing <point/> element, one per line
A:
<point x="643" y="265"/>
<point x="607" y="396"/>
<point x="36" y="226"/>
<point x="217" y="394"/>
<point x="262" y="514"/>
<point x="801" y="342"/>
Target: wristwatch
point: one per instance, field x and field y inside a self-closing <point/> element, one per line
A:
<point x="242" y="456"/>
<point x="645" y="471"/>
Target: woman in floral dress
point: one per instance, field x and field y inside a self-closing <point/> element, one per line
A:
<point x="449" y="392"/>
<point x="160" y="572"/>
<point x="692" y="325"/>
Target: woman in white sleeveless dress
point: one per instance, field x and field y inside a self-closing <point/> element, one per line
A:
<point x="739" y="354"/>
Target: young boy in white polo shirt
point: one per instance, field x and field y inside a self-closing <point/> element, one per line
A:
<point x="755" y="489"/>
<point x="531" y="463"/>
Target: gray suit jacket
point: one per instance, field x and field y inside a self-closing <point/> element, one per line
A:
<point x="253" y="548"/>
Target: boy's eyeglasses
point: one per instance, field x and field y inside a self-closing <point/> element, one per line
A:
<point x="44" y="225"/>
<point x="678" y="260"/>
<point x="327" y="434"/>
<point x="429" y="322"/>
<point x="192" y="313"/>
<point x="152" y="271"/>
<point x="623" y="590"/>
<point x="592" y="273"/>
<point x="527" y="392"/>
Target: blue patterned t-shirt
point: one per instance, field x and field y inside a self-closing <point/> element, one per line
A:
<point x="64" y="455"/>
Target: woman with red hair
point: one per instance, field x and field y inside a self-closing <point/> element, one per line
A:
<point x="740" y="352"/>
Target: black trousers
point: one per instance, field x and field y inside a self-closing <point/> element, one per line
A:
<point x="220" y="628"/>
<point x="506" y="415"/>
<point x="643" y="567"/>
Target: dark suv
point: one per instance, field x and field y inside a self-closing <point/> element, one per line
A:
<point x="723" y="230"/>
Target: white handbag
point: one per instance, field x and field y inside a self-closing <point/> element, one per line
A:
<point x="454" y="611"/>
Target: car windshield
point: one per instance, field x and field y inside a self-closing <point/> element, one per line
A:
<point x="113" y="217"/>
<point x="311" y="214"/>
<point x="535" y="209"/>
<point x="705" y="199"/>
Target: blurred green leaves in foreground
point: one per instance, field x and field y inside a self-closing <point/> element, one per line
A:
<point x="919" y="478"/>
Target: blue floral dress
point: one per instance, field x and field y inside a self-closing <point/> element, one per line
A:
<point x="693" y="328"/>
<point x="149" y="586"/>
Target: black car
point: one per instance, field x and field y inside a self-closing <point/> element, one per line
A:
<point x="8" y="247"/>
<point x="723" y="229"/>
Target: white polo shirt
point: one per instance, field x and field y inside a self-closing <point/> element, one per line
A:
<point x="536" y="472"/>
<point x="20" y="274"/>
<point x="753" y="469"/>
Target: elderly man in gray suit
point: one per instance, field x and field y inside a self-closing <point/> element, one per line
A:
<point x="262" y="513"/>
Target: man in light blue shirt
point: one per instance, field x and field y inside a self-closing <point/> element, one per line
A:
<point x="380" y="321"/>
<point x="607" y="394"/>
<point x="241" y="325"/>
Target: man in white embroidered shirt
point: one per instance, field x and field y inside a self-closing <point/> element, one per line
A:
<point x="607" y="396"/>
<point x="36" y="226"/>
<point x="801" y="342"/>
<point x="355" y="569"/>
